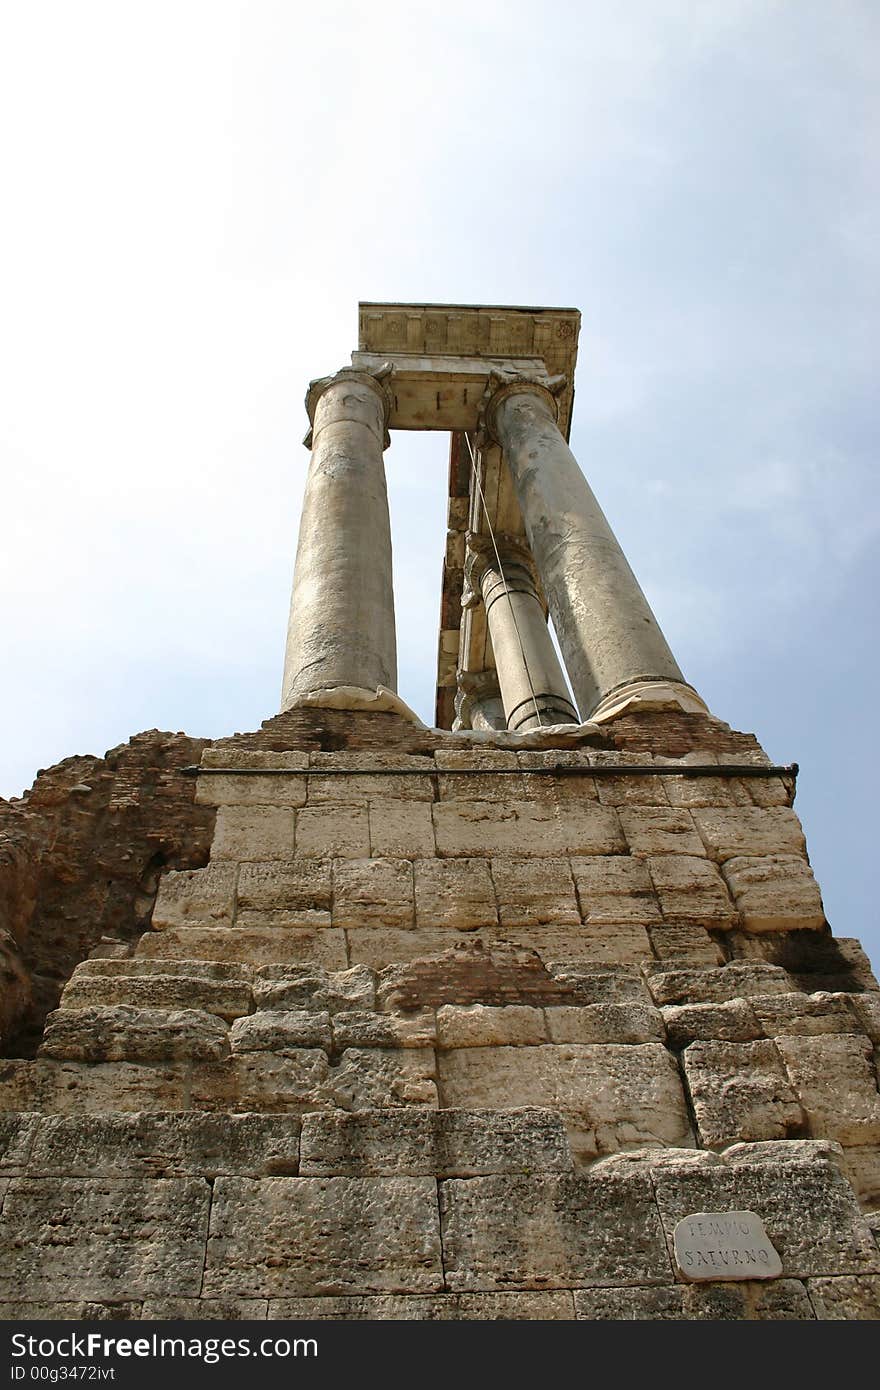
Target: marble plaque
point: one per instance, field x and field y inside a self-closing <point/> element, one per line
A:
<point x="724" y="1245"/>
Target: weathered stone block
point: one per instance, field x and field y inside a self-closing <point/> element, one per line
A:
<point x="660" y="830"/>
<point x="623" y="943"/>
<point x="605" y="1023"/>
<point x="383" y="946"/>
<point x="356" y="790"/>
<point x="282" y="1031"/>
<point x="381" y="1078"/>
<point x="775" y="893"/>
<point x="614" y="1096"/>
<point x="866" y="1008"/>
<point x="597" y="983"/>
<point x="825" y="1236"/>
<point x="159" y="1146"/>
<point x="401" y="830"/>
<point x="474" y="828"/>
<point x="472" y="775"/>
<point x="684" y="943"/>
<point x="372" y="892"/>
<point x="834" y="1075"/>
<point x="740" y="1091"/>
<point x="861" y="1163"/>
<point x="734" y="1021"/>
<point x="361" y="1029"/>
<point x="479" y="1025"/>
<point x="749" y="831"/>
<point x="441" y="1143"/>
<point x="691" y="890"/>
<point x="804" y="1014"/>
<point x="310" y="987"/>
<point x="332" y="831"/>
<point x="253" y="832"/>
<point x="262" y="789"/>
<point x="781" y="1299"/>
<point x="533" y="891"/>
<point x="738" y="979"/>
<point x="262" y="1082"/>
<point x="446" y="1307"/>
<point x="340" y="1235"/>
<point x="60" y="1088"/>
<point x="293" y="888"/>
<point x="196" y="897"/>
<point x="211" y="1309"/>
<point x="97" y="1238"/>
<point x="251" y="945"/>
<point x="849" y="1297"/>
<point x="17" y="1133"/>
<point x="454" y="893"/>
<point x="121" y="1033"/>
<point x="551" y="1232"/>
<point x="171" y="989"/>
<point x="615" y="888"/>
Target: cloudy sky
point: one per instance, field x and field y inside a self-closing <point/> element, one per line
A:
<point x="196" y="195"/>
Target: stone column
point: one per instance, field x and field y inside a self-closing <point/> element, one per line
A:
<point x="341" y="629"/>
<point x="531" y="680"/>
<point x="478" y="702"/>
<point x="613" y="648"/>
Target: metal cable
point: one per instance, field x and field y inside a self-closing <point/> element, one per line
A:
<point x="503" y="577"/>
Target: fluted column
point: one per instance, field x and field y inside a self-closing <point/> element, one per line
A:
<point x="341" y="629"/>
<point x="610" y="639"/>
<point x="532" y="683"/>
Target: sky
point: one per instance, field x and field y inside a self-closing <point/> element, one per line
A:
<point x="197" y="195"/>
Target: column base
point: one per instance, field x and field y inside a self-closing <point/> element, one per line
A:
<point x="648" y="695"/>
<point x="356" y="697"/>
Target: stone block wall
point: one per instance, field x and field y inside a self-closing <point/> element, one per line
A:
<point x="454" y="1027"/>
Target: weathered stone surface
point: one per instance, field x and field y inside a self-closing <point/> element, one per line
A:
<point x="61" y="1088"/>
<point x="448" y="1307"/>
<point x="356" y="790"/>
<point x="195" y="897"/>
<point x="734" y="1021"/>
<point x="336" y="831"/>
<point x="249" y="790"/>
<point x="454" y="893"/>
<point x="17" y="1133"/>
<point x="614" y="1096"/>
<point x="379" y="1078"/>
<point x="834" y="1075"/>
<point x="622" y="943"/>
<point x="253" y="832"/>
<point x="171" y="988"/>
<point x="383" y="946"/>
<point x="467" y="775"/>
<point x="597" y="983"/>
<point x="122" y="1033"/>
<point x="808" y="1210"/>
<point x="551" y="1232"/>
<point x="294" y="888"/>
<point x="491" y="828"/>
<point x="740" y="1091"/>
<point x="605" y="1023"/>
<point x="653" y="830"/>
<point x="861" y="1163"/>
<point x="401" y="829"/>
<point x="533" y="891"/>
<point x="281" y="1030"/>
<point x="361" y="1029"/>
<point x="738" y="979"/>
<point x="732" y="831"/>
<point x="615" y="888"/>
<point x="850" y="1296"/>
<point x="159" y="1146"/>
<point x="441" y="1143"/>
<point x="251" y="945"/>
<point x="338" y="1235"/>
<point x="372" y="892"/>
<point x="775" y="892"/>
<point x="684" y="943"/>
<point x="309" y="987"/>
<point x="471" y="975"/>
<point x="97" y="1238"/>
<point x="29" y="1310"/>
<point x="263" y="1082"/>
<point x="866" y="1008"/>
<point x="804" y="1014"/>
<point x="212" y="1309"/>
<point x="691" y="890"/>
<point x="783" y="1299"/>
<point x="479" y="1025"/>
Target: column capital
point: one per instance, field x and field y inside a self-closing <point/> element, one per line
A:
<point x="476" y="692"/>
<point x="378" y="381"/>
<point x="504" y="382"/>
<point x="480" y="556"/>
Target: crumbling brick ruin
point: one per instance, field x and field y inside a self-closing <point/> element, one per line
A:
<point x="353" y="1018"/>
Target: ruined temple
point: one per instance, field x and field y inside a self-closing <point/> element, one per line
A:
<point x="534" y="1014"/>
